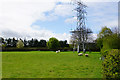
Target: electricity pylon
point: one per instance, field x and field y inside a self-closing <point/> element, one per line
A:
<point x="81" y="32"/>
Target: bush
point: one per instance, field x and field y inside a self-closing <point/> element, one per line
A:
<point x="111" y="64"/>
<point x="104" y="52"/>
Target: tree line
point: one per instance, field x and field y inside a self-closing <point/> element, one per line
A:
<point x="105" y="36"/>
<point x="12" y="42"/>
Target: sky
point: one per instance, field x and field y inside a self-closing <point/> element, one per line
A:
<point x="43" y="19"/>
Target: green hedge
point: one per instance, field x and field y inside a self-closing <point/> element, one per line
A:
<point x="35" y="49"/>
<point x="105" y="52"/>
<point x="111" y="64"/>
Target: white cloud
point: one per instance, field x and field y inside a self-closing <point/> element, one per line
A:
<point x="102" y="14"/>
<point x="64" y="10"/>
<point x="63" y="36"/>
<point x="21" y="14"/>
<point x="34" y="33"/>
<point x="71" y="20"/>
<point x="94" y="36"/>
<point x="17" y="16"/>
<point x="64" y="1"/>
<point x="110" y="24"/>
<point x="69" y="1"/>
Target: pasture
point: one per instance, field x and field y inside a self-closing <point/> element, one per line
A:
<point x="49" y="64"/>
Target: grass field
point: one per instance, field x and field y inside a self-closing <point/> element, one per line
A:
<point x="48" y="64"/>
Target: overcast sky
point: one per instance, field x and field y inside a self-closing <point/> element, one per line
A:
<point x="43" y="19"/>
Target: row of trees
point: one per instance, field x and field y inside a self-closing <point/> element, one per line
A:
<point x="29" y="43"/>
<point x="106" y="36"/>
<point x="11" y="42"/>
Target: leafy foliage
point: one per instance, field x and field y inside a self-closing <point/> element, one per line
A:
<point x="111" y="64"/>
<point x="53" y="43"/>
<point x="3" y="45"/>
<point x="104" y="52"/>
<point x="110" y="42"/>
<point x="99" y="43"/>
<point x="105" y="32"/>
<point x="42" y="43"/>
<point x="12" y="42"/>
<point x="20" y="44"/>
<point x="63" y="44"/>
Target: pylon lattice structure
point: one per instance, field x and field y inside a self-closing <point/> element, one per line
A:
<point x="81" y="32"/>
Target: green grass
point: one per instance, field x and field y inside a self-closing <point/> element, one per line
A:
<point x="48" y="64"/>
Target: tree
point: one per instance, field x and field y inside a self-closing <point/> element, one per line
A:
<point x="42" y="43"/>
<point x="111" y="54"/>
<point x="20" y="44"/>
<point x="53" y="43"/>
<point x="14" y="42"/>
<point x="35" y="43"/>
<point x="2" y="40"/>
<point x="63" y="44"/>
<point x="4" y="45"/>
<point x="25" y="43"/>
<point x="30" y="43"/>
<point x="9" y="41"/>
<point x="111" y="42"/>
<point x="105" y="32"/>
<point x="99" y="42"/>
<point x="108" y="40"/>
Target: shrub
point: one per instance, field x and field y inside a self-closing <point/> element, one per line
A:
<point x="104" y="52"/>
<point x="111" y="64"/>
